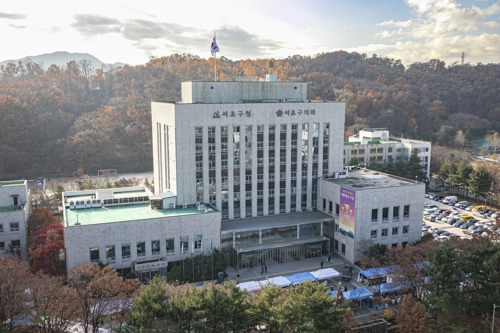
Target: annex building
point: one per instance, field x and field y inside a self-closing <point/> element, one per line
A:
<point x="377" y="144"/>
<point x="15" y="209"/>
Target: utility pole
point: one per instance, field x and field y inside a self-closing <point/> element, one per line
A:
<point x="463" y="57"/>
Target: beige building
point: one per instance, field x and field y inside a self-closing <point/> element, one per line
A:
<point x="15" y="209"/>
<point x="376" y="143"/>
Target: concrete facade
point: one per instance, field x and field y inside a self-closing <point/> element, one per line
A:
<point x="103" y="233"/>
<point x="248" y="148"/>
<point x="15" y="208"/>
<point x="388" y="210"/>
<point x="377" y="143"/>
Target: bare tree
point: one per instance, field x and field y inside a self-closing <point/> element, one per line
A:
<point x="98" y="291"/>
<point x="460" y="138"/>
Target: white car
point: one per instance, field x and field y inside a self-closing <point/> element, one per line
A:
<point x="441" y="238"/>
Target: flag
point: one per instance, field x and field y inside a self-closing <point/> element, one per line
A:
<point x="214" y="48"/>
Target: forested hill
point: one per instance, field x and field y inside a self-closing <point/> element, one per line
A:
<point x="58" y="119"/>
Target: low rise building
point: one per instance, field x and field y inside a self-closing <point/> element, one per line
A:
<point x="377" y="144"/>
<point x="372" y="208"/>
<point x="135" y="231"/>
<point x="15" y="209"/>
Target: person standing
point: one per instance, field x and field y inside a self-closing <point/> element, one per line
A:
<point x="262" y="269"/>
<point x="321" y="263"/>
<point x="329" y="258"/>
<point x="265" y="268"/>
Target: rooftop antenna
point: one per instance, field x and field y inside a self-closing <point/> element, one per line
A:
<point x="463" y="57"/>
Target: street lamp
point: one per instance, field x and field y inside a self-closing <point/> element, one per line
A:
<point x="493" y="320"/>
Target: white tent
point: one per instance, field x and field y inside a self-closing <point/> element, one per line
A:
<point x="326" y="273"/>
<point x="279" y="281"/>
<point x="249" y="286"/>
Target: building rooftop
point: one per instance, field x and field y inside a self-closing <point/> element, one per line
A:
<point x="262" y="222"/>
<point x="12" y="182"/>
<point x="126" y="213"/>
<point x="367" y="180"/>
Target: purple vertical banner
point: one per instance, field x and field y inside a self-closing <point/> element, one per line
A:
<point x="347" y="212"/>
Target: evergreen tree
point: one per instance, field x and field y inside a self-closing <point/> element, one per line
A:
<point x="479" y="182"/>
<point x="149" y="308"/>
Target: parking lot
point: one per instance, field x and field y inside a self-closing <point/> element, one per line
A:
<point x="433" y="222"/>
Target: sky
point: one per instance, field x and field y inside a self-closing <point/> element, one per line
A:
<point x="132" y="31"/>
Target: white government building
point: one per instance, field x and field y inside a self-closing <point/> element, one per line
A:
<point x="265" y="164"/>
<point x="15" y="209"/>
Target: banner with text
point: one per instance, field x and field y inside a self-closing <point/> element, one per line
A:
<point x="347" y="211"/>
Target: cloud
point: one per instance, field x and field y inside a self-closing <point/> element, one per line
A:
<point x="449" y="48"/>
<point x="17" y="26"/>
<point x="150" y="36"/>
<point x="12" y="16"/>
<point x="438" y="18"/>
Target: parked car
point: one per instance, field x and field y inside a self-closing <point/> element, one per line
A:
<point x="454" y="236"/>
<point x="451" y="220"/>
<point x="441" y="238"/>
<point x="440" y="231"/>
<point x="458" y="224"/>
<point x="465" y="226"/>
<point x="433" y="229"/>
<point x="469" y="207"/>
<point x="461" y="203"/>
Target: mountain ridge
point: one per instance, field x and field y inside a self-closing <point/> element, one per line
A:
<point x="61" y="58"/>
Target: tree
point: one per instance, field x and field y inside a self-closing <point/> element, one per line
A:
<point x="150" y="308"/>
<point x="14" y="281"/>
<point x="46" y="249"/>
<point x="354" y="161"/>
<point x="493" y="141"/>
<point x="349" y="322"/>
<point x="479" y="182"/>
<point x="267" y="306"/>
<point x="309" y="308"/>
<point x="460" y="138"/>
<point x="52" y="302"/>
<point x="97" y="290"/>
<point x="412" y="317"/>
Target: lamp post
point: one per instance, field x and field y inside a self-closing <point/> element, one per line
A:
<point x="493" y="319"/>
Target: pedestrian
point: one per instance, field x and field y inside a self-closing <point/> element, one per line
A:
<point x="265" y="268"/>
<point x="329" y="258"/>
<point x="237" y="277"/>
<point x="345" y="288"/>
<point x="321" y="263"/>
<point x="262" y="270"/>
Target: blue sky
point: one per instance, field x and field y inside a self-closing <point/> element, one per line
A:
<point x="132" y="31"/>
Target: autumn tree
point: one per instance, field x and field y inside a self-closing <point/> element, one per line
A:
<point x="47" y="249"/>
<point x="14" y="281"/>
<point x="412" y="317"/>
<point x="349" y="322"/>
<point x="97" y="291"/>
<point x="53" y="301"/>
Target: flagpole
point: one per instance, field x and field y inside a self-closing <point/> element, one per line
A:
<point x="215" y="67"/>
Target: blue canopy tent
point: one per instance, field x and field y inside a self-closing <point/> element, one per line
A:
<point x="301" y="278"/>
<point x="390" y="287"/>
<point x="354" y="294"/>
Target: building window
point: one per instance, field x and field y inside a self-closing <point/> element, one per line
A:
<point x="380" y="150"/>
<point x="389" y="150"/>
<point x="94" y="254"/>
<point x="394" y="245"/>
<point x="110" y="252"/>
<point x="343" y="249"/>
<point x="141" y="249"/>
<point x="336" y="246"/>
<point x="2" y="246"/>
<point x="14" y="226"/>
<point x="1" y="227"/>
<point x="395" y="230"/>
<point x="155" y="246"/>
<point x="404" y="244"/>
<point x="395" y="213"/>
<point x="374" y="215"/>
<point x="406" y="228"/>
<point x="336" y="227"/>
<point x="406" y="211"/>
<point x="126" y="251"/>
<point x="373" y="151"/>
<point x="337" y="209"/>
<point x="385" y="232"/>
<point x="197" y="242"/>
<point x="385" y="213"/>
<point x="16" y="244"/>
<point x="374" y="234"/>
<point x="361" y="152"/>
<point x="184" y="244"/>
<point x="170" y="245"/>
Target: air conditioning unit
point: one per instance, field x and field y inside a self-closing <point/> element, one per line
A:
<point x="172" y="205"/>
<point x="184" y="206"/>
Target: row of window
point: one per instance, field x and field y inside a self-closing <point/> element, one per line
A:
<point x="14" y="226"/>
<point x="385" y="231"/>
<point x="15" y="244"/>
<point x="140" y="248"/>
<point x="336" y="246"/>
